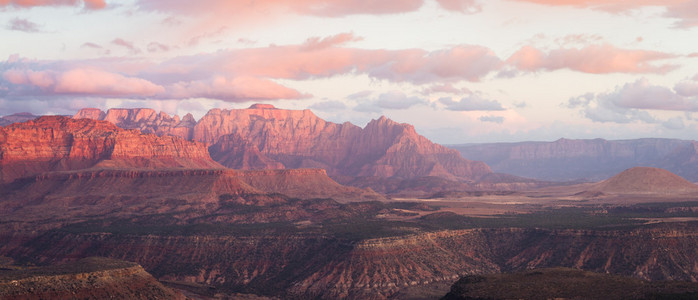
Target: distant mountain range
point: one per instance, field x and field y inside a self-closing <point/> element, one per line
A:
<point x="588" y="160"/>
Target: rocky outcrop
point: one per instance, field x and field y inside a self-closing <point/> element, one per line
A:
<point x="89" y="278"/>
<point x="263" y="137"/>
<point x="597" y="159"/>
<point x="54" y="143"/>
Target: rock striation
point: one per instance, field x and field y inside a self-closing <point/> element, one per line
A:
<point x="54" y="143"/>
<point x="264" y="137"/>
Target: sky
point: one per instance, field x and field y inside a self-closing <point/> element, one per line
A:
<point x="460" y="71"/>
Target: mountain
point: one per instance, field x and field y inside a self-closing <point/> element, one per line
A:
<point x="54" y="143"/>
<point x="88" y="278"/>
<point x="143" y="119"/>
<point x="16" y="118"/>
<point x="263" y="136"/>
<point x="592" y="160"/>
<point x="642" y="180"/>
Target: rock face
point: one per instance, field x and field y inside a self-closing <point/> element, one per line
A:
<point x="269" y="138"/>
<point x="54" y="143"/>
<point x="593" y="160"/>
<point x="646" y="180"/>
<point x="89" y="278"/>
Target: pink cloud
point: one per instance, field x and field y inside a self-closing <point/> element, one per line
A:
<point x="88" y="4"/>
<point x="296" y="62"/>
<point x="684" y="10"/>
<point x="83" y="82"/>
<point x="597" y="59"/>
<point x="315" y="43"/>
<point x="23" y="25"/>
<point x="157" y="47"/>
<point x="126" y="44"/>
<point x="607" y="5"/>
<point x="334" y="8"/>
<point x="233" y="90"/>
<point x="463" y="6"/>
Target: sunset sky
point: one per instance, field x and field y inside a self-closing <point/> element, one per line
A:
<point x="461" y="71"/>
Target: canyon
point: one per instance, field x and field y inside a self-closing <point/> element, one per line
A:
<point x="144" y="187"/>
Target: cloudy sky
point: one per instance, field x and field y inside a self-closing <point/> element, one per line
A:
<point x="461" y="71"/>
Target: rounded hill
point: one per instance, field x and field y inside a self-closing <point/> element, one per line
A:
<point x="642" y="180"/>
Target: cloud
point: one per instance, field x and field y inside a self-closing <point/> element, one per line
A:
<point x="643" y="95"/>
<point x="684" y="10"/>
<point x="329" y="106"/>
<point x="445" y="88"/>
<point x="674" y="123"/>
<point x="633" y="101"/>
<point x="394" y="100"/>
<point x="128" y="45"/>
<point x="233" y="9"/>
<point x="25" y="25"/>
<point x="297" y="62"/>
<point x="462" y="6"/>
<point x="597" y="59"/>
<point x="87" y="4"/>
<point x="80" y="82"/>
<point x="91" y="45"/>
<point x="157" y="47"/>
<point x="316" y="43"/>
<point x="237" y="89"/>
<point x="473" y="102"/>
<point x="493" y="119"/>
<point x="687" y="88"/>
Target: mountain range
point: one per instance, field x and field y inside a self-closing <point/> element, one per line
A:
<point x="264" y="137"/>
<point x="588" y="160"/>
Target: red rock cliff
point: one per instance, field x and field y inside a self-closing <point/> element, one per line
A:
<point x="263" y="137"/>
<point x="54" y="143"/>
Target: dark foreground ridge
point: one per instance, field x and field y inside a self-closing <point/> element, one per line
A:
<point x="565" y="283"/>
<point x="88" y="278"/>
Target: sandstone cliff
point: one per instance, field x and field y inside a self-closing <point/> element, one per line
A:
<point x="263" y="137"/>
<point x="54" y="143"/>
